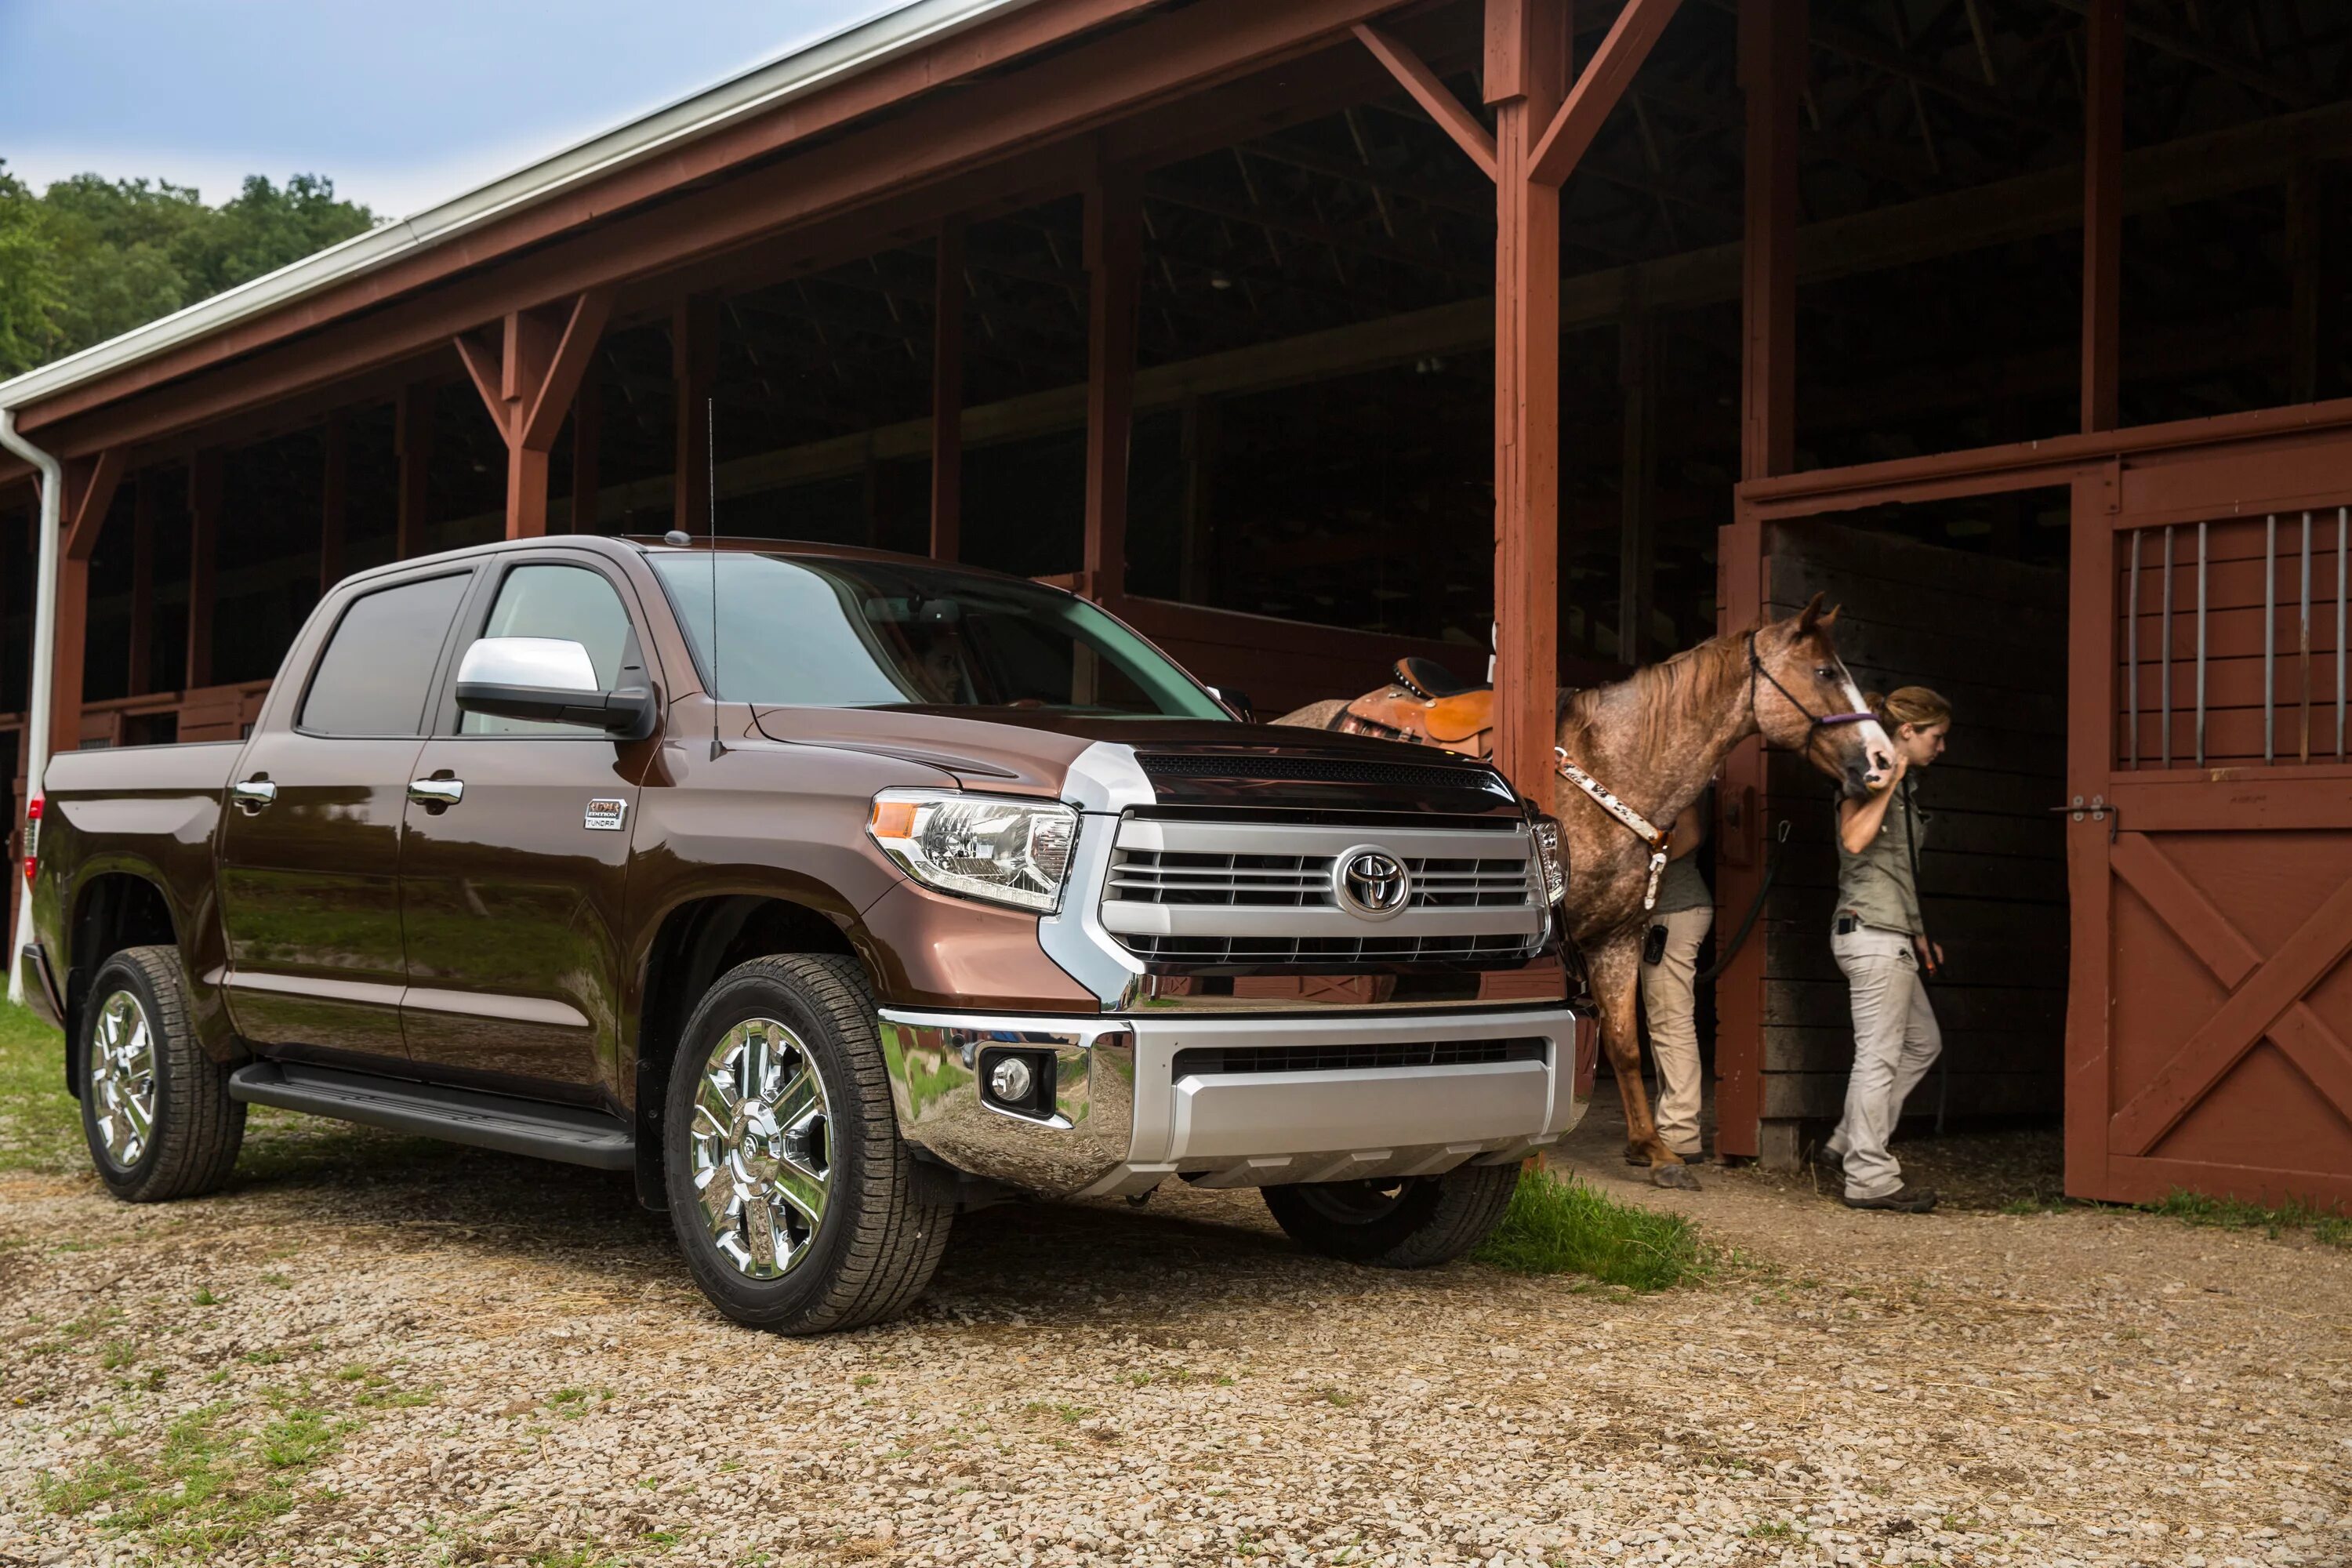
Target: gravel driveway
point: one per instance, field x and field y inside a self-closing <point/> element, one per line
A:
<point x="374" y="1350"/>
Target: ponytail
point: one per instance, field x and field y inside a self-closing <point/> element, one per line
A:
<point x="1914" y="705"/>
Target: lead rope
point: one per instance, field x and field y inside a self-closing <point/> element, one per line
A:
<point x="1661" y="843"/>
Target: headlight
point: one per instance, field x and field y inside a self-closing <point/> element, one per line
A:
<point x="977" y="845"/>
<point x="1555" y="873"/>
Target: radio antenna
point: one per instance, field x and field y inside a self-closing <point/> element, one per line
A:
<point x="710" y="490"/>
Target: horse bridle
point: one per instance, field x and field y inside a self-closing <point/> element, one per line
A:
<point x="1815" y="723"/>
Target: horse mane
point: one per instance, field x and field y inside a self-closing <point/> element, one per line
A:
<point x="1659" y="693"/>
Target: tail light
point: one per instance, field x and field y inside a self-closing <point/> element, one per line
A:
<point x="32" y="838"/>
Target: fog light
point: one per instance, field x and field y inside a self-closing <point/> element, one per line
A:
<point x="1010" y="1080"/>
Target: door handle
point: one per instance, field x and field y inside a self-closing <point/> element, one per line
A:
<point x="253" y="795"/>
<point x="437" y="792"/>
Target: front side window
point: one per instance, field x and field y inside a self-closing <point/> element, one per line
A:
<point x="572" y="603"/>
<point x="377" y="671"/>
<point x="820" y="632"/>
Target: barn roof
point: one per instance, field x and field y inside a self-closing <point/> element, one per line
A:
<point x="913" y="25"/>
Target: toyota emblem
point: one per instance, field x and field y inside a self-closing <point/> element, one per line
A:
<point x="1371" y="883"/>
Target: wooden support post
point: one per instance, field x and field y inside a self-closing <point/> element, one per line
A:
<point x="412" y="439"/>
<point x="1636" y="547"/>
<point x="1525" y="76"/>
<point x="527" y="372"/>
<point x="2102" y="214"/>
<point x="1114" y="254"/>
<point x="1772" y="35"/>
<point x="525" y="493"/>
<point x="204" y="544"/>
<point x="142" y="661"/>
<point x="587" y="454"/>
<point x="334" y="501"/>
<point x="1773" y="60"/>
<point x="694" y="366"/>
<point x="66" y="663"/>
<point x="1742" y="841"/>
<point x="946" y="392"/>
<point x="90" y="484"/>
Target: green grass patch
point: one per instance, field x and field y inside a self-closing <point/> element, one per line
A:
<point x="40" y="1124"/>
<point x="1566" y="1227"/>
<point x="2330" y="1227"/>
<point x="206" y="1486"/>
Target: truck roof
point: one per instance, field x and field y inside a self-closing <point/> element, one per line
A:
<point x="656" y="544"/>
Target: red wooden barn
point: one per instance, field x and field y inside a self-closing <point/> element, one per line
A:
<point x="1307" y="334"/>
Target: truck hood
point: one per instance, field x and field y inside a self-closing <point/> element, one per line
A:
<point x="1190" y="761"/>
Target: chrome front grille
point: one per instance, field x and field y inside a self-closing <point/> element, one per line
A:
<point x="1324" y="952"/>
<point x="1266" y="894"/>
<point x="1305" y="881"/>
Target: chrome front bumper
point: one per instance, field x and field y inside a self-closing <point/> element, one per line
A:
<point x="1125" y="1118"/>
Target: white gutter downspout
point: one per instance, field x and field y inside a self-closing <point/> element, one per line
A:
<point x="45" y="638"/>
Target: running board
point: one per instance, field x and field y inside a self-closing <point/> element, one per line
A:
<point x="511" y="1125"/>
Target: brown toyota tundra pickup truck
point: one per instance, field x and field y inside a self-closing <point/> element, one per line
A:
<point x="830" y="893"/>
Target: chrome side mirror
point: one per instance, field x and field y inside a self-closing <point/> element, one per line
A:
<point x="551" y="680"/>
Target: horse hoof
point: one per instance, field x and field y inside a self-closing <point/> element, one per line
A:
<point x="1678" y="1176"/>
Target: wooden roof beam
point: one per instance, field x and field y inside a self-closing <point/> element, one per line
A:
<point x="1456" y="118"/>
<point x="89" y="492"/>
<point x="1598" y="89"/>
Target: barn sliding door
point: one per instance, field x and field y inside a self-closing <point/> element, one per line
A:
<point x="2209" y="1022"/>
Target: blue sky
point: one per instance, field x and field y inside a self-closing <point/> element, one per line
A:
<point x="400" y="102"/>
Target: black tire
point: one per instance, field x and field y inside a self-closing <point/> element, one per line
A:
<point x="1409" y="1222"/>
<point x="195" y="1129"/>
<point x="874" y="1246"/>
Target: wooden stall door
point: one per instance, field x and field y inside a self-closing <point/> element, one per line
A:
<point x="2212" y="864"/>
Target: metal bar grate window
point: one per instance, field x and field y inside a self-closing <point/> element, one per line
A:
<point x="2265" y="658"/>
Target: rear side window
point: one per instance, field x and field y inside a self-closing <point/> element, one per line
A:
<point x="378" y="667"/>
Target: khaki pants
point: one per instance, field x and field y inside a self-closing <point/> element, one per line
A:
<point x="1895" y="1041"/>
<point x="1667" y="997"/>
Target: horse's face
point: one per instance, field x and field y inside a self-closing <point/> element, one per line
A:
<point x="1808" y="680"/>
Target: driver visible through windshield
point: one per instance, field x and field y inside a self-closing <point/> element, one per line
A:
<point x="828" y="632"/>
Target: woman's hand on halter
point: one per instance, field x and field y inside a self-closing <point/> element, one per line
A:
<point x="1860" y="816"/>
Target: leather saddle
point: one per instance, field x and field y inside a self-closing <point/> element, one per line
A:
<point x="1427" y="703"/>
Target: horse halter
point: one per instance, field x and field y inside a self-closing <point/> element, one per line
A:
<point x="1815" y="723"/>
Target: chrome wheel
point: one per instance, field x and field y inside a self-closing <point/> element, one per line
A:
<point x="122" y="1079"/>
<point x="762" y="1147"/>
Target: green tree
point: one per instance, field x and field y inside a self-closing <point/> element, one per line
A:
<point x="28" y="281"/>
<point x="91" y="259"/>
<point x="267" y="227"/>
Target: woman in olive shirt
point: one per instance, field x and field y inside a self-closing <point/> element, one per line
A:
<point x="1881" y="943"/>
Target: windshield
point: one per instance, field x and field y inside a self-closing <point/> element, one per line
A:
<point x="814" y="631"/>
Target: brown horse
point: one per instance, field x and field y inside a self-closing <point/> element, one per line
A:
<point x="1655" y="739"/>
